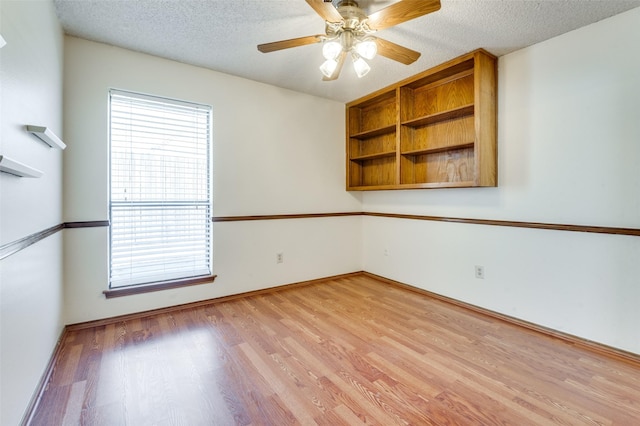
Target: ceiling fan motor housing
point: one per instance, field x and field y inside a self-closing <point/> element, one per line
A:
<point x="352" y="27"/>
<point x="352" y="14"/>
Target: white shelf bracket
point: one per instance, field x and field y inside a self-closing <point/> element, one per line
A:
<point x="16" y="168"/>
<point x="47" y="136"/>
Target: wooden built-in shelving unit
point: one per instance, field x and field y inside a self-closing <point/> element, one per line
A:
<point x="434" y="130"/>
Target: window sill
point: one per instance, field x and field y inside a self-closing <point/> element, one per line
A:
<point x="165" y="285"/>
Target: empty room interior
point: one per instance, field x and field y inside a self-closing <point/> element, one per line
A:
<point x="312" y="212"/>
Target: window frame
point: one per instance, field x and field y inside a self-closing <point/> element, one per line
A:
<point x="150" y="286"/>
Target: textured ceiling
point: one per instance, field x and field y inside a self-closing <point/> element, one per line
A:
<point x="222" y="35"/>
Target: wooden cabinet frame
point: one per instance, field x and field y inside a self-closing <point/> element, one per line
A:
<point x="436" y="129"/>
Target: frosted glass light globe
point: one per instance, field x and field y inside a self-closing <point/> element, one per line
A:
<point x="328" y="67"/>
<point x="361" y="67"/>
<point x="331" y="49"/>
<point x="367" y="49"/>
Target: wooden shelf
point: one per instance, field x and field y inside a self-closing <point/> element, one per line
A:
<point x="451" y="114"/>
<point x="439" y="149"/>
<point x="367" y="134"/>
<point x="373" y="188"/>
<point x="435" y="185"/>
<point x="374" y="156"/>
<point x="436" y="129"/>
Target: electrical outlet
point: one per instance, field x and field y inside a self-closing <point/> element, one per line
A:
<point x="279" y="257"/>
<point x="480" y="272"/>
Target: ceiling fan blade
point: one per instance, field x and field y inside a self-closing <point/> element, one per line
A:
<point x="325" y="10"/>
<point x="286" y="44"/>
<point x="396" y="52"/>
<point x="400" y="12"/>
<point x="336" y="72"/>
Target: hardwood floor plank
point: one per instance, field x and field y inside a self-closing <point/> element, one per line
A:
<point x="354" y="350"/>
<point x="291" y="400"/>
<point x="423" y="387"/>
<point x="345" y="416"/>
<point x="73" y="407"/>
<point x="51" y="411"/>
<point x="72" y="358"/>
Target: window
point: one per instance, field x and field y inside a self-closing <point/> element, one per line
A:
<point x="160" y="204"/>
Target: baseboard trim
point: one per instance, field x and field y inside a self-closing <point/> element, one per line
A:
<point x="169" y="309"/>
<point x="609" y="351"/>
<point x="44" y="380"/>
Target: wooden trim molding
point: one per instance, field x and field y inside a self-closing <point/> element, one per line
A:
<point x="281" y="216"/>
<point x="568" y="338"/>
<point x="532" y="225"/>
<point x="635" y="232"/>
<point x="14" y="247"/>
<point x="86" y="224"/>
<point x="164" y="285"/>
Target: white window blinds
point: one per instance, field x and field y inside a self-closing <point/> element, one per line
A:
<point x="160" y="205"/>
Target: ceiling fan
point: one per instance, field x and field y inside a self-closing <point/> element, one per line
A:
<point x="349" y="31"/>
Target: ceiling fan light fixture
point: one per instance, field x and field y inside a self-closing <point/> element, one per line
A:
<point x="331" y="49"/>
<point x="360" y="66"/>
<point x="349" y="30"/>
<point x="328" y="67"/>
<point x="367" y="48"/>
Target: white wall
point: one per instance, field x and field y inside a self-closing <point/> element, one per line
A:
<point x="569" y="149"/>
<point x="275" y="152"/>
<point x="31" y="293"/>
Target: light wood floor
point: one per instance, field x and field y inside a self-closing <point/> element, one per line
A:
<point x="349" y="351"/>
